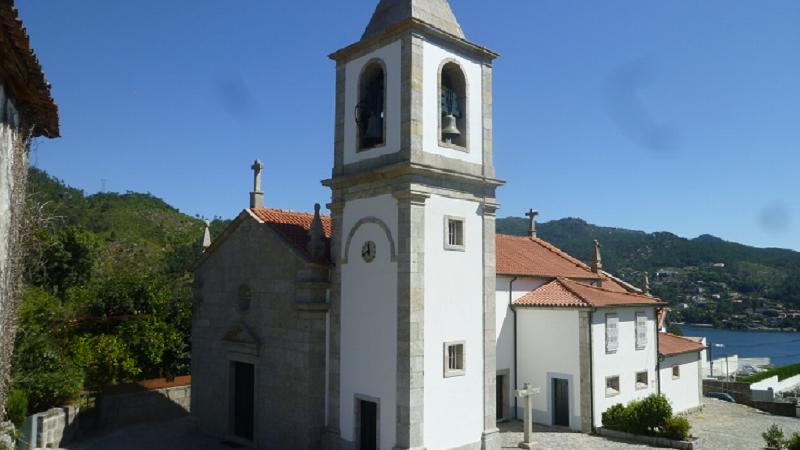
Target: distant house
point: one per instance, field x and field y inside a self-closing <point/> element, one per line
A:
<point x="26" y="110"/>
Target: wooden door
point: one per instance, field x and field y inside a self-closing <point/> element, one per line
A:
<point x="560" y="402"/>
<point x="243" y="400"/>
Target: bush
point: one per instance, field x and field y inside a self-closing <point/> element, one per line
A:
<point x="676" y="428"/>
<point x="794" y="442"/>
<point x="17" y="407"/>
<point x="654" y="411"/>
<point x="614" y="417"/>
<point x="773" y="437"/>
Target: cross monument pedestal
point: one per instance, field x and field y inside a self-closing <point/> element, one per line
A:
<point x="526" y="394"/>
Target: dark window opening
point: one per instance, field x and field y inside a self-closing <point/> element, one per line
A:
<point x="371" y="108"/>
<point x="453" y="123"/>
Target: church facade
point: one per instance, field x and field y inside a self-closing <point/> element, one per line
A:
<point x="388" y="323"/>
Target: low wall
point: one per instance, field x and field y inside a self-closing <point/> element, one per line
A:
<point x="739" y="391"/>
<point x="777" y="408"/>
<point x="123" y="409"/>
<point x="50" y="429"/>
<point x="777" y="385"/>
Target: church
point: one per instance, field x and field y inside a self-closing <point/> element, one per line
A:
<point x="401" y="320"/>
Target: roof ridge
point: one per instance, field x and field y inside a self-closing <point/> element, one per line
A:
<point x="580" y="297"/>
<point x="290" y="211"/>
<point x="632" y="294"/>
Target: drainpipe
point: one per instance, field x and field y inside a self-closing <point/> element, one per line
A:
<point x="591" y="369"/>
<point x="510" y="300"/>
<point x="658" y="362"/>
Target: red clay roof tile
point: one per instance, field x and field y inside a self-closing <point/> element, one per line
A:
<point x="293" y="226"/>
<point x="670" y="344"/>
<point x="518" y="255"/>
<point x="563" y="292"/>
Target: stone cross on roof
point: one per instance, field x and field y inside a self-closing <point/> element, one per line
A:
<point x="436" y="13"/>
<point x="646" y="283"/>
<point x="257" y="197"/>
<point x="532" y="216"/>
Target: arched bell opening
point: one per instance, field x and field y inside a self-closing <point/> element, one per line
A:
<point x="370" y="114"/>
<point x="453" y="97"/>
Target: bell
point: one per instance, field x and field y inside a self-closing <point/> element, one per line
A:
<point x="450" y="127"/>
<point x="374" y="131"/>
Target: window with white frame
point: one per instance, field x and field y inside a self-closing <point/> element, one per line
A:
<point x="612" y="333"/>
<point x="454" y="233"/>
<point x="676" y="372"/>
<point x="641" y="330"/>
<point x="641" y="380"/>
<point x="453" y="359"/>
<point x="612" y="386"/>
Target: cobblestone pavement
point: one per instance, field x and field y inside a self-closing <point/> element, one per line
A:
<point x="549" y="438"/>
<point x="720" y="425"/>
<point x="733" y="426"/>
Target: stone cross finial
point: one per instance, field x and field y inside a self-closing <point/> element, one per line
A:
<point x="257" y="197"/>
<point x="527" y="394"/>
<point x="597" y="260"/>
<point x="532" y="216"/>
<point x="646" y="283"/>
<point x="316" y="234"/>
<point x="206" y="237"/>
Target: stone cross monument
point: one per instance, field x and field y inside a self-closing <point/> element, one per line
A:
<point x="257" y="197"/>
<point x="532" y="216"/>
<point x="527" y="394"/>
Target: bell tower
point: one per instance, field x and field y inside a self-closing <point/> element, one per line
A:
<point x="412" y="324"/>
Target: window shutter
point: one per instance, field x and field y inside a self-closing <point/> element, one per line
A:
<point x="641" y="330"/>
<point x="612" y="340"/>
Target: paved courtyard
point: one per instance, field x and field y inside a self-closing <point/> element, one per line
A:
<point x="721" y="425"/>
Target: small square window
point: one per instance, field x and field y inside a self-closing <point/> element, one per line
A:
<point x="612" y="386"/>
<point x="676" y="372"/>
<point x="454" y="233"/>
<point x="641" y="380"/>
<point x="453" y="359"/>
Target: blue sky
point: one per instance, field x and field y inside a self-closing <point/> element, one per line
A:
<point x="643" y="114"/>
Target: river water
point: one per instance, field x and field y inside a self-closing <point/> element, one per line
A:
<point x="781" y="347"/>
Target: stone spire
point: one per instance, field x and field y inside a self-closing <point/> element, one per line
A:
<point x="532" y="227"/>
<point x="257" y="197"/>
<point x="597" y="260"/>
<point x="436" y="13"/>
<point x="206" y="237"/>
<point x="646" y="283"/>
<point x="316" y="234"/>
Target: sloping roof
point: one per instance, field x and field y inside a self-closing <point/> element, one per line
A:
<point x="519" y="255"/>
<point x="436" y="13"/>
<point x="293" y="226"/>
<point x="563" y="292"/>
<point x="670" y="345"/>
<point x="23" y="76"/>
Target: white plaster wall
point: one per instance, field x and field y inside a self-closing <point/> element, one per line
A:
<point x="627" y="360"/>
<point x="369" y="318"/>
<point x="685" y="392"/>
<point x="777" y="385"/>
<point x="432" y="58"/>
<point x="722" y="366"/>
<point x="453" y="312"/>
<point x="548" y="348"/>
<point x="504" y="325"/>
<point x="390" y="55"/>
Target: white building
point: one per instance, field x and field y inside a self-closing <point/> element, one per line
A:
<point x="401" y="321"/>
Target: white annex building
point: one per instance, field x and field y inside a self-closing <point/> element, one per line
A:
<point x="401" y="321"/>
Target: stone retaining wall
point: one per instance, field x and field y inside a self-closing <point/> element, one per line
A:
<point x="50" y="429"/>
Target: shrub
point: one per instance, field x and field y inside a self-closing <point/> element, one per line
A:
<point x="773" y="437"/>
<point x="17" y="407"/>
<point x="794" y="442"/>
<point x="654" y="411"/>
<point x="614" y="417"/>
<point x="676" y="428"/>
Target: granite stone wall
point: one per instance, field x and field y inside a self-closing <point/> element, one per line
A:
<point x="279" y="328"/>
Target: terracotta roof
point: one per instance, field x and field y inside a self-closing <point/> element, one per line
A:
<point x="23" y="76"/>
<point x="670" y="345"/>
<point x="518" y="255"/>
<point x="563" y="292"/>
<point x="293" y="226"/>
